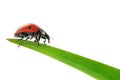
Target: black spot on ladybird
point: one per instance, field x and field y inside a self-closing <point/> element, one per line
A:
<point x="29" y="27"/>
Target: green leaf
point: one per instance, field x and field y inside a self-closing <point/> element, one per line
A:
<point x="93" y="68"/>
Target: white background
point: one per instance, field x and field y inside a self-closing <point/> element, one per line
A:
<point x="90" y="28"/>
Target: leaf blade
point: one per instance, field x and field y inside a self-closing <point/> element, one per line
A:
<point x="93" y="68"/>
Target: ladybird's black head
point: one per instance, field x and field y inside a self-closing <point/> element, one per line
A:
<point x="47" y="36"/>
<point x="44" y="35"/>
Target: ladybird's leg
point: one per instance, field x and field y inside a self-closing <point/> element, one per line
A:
<point x="27" y="38"/>
<point x="48" y="40"/>
<point x="28" y="35"/>
<point x="31" y="37"/>
<point x="35" y="39"/>
<point x="38" y="37"/>
<point x="21" y="38"/>
<point x="44" y="40"/>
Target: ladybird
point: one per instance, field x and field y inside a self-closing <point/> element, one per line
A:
<point x="30" y="31"/>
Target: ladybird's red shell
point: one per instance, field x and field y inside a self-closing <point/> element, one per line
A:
<point x="28" y="28"/>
